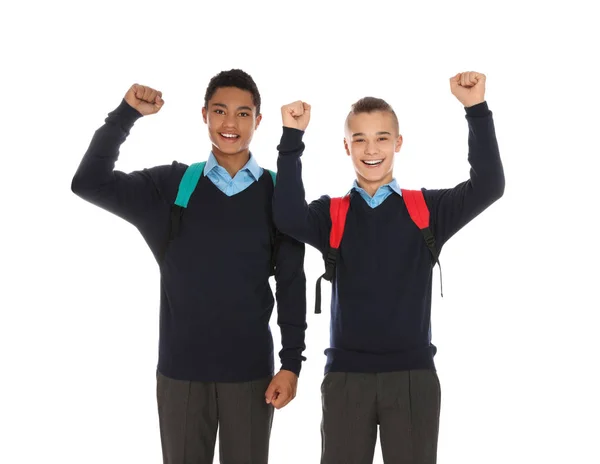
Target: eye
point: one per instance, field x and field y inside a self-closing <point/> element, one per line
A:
<point x="244" y="115"/>
<point x="382" y="139"/>
<point x="359" y="140"/>
<point x="219" y="111"/>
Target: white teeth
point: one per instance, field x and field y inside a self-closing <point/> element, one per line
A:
<point x="372" y="162"/>
<point x="230" y="136"/>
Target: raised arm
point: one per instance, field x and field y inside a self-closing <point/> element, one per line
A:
<point x="293" y="216"/>
<point x="453" y="208"/>
<point x="132" y="195"/>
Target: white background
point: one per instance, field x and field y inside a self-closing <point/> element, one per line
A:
<point x="517" y="327"/>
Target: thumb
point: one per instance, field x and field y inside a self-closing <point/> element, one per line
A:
<point x="306" y="107"/>
<point x="278" y="402"/>
<point x="297" y="109"/>
<point x="270" y="394"/>
<point x="455" y="80"/>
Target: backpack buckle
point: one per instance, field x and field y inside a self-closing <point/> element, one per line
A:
<point x="330" y="261"/>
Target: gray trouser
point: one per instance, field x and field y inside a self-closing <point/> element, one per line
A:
<point x="405" y="405"/>
<point x="190" y="412"/>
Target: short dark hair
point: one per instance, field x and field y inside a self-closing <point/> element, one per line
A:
<point x="233" y="78"/>
<point x="370" y="105"/>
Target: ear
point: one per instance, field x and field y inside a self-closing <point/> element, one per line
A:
<point x="398" y="143"/>
<point x="204" y="115"/>
<point x="346" y="147"/>
<point x="257" y="122"/>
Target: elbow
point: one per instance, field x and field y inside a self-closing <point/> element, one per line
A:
<point x="499" y="186"/>
<point x="491" y="183"/>
<point x="284" y="221"/>
<point x="495" y="188"/>
<point x="496" y="192"/>
<point x="77" y="185"/>
<point x="81" y="186"/>
<point x="284" y="224"/>
<point x="290" y="223"/>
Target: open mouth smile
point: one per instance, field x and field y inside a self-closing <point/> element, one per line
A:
<point x="229" y="136"/>
<point x="372" y="163"/>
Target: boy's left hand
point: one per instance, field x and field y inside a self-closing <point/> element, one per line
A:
<point x="469" y="88"/>
<point x="282" y="389"/>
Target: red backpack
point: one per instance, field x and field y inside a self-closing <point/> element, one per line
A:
<point x="338" y="209"/>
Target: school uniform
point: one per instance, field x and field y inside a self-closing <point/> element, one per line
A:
<point x="380" y="367"/>
<point x="216" y="354"/>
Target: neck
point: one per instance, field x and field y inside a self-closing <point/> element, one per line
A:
<point x="372" y="186"/>
<point x="232" y="163"/>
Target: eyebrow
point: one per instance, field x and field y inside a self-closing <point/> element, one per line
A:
<point x="378" y="133"/>
<point x="223" y="105"/>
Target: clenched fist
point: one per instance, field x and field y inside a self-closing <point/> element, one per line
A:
<point x="469" y="88"/>
<point x="282" y="389"/>
<point x="296" y="115"/>
<point x="144" y="99"/>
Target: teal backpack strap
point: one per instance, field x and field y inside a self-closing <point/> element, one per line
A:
<point x="188" y="183"/>
<point x="273" y="176"/>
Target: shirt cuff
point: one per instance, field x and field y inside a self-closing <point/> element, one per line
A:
<point x="127" y="115"/>
<point x="479" y="110"/>
<point x="291" y="141"/>
<point x="291" y="365"/>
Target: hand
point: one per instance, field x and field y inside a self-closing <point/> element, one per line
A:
<point x="144" y="99"/>
<point x="282" y="389"/>
<point x="296" y="115"/>
<point x="469" y="88"/>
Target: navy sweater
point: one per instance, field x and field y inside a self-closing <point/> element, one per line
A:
<point x="383" y="324"/>
<point x="215" y="298"/>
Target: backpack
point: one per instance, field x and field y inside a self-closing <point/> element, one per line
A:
<point x="418" y="211"/>
<point x="187" y="185"/>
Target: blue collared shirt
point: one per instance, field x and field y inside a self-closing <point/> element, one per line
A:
<point x="382" y="193"/>
<point x="244" y="178"/>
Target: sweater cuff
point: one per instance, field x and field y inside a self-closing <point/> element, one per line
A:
<point x="292" y="365"/>
<point x="291" y="141"/>
<point x="127" y="115"/>
<point x="478" y="111"/>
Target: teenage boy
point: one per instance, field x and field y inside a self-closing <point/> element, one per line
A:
<point x="215" y="253"/>
<point x="380" y="368"/>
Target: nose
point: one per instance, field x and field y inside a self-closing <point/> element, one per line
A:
<point x="371" y="148"/>
<point x="229" y="120"/>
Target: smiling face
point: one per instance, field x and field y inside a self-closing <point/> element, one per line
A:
<point x="232" y="118"/>
<point x="372" y="140"/>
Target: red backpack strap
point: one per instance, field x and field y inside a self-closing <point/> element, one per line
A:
<point x="419" y="213"/>
<point x="338" y="210"/>
<point x="417" y="208"/>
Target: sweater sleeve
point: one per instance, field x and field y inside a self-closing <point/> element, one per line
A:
<point x="293" y="216"/>
<point x="129" y="196"/>
<point x="453" y="208"/>
<point x="291" y="302"/>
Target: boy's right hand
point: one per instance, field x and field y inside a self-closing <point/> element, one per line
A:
<point x="144" y="99"/>
<point x="296" y="115"/>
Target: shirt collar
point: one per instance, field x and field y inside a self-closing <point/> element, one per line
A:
<point x="393" y="185"/>
<point x="251" y="166"/>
